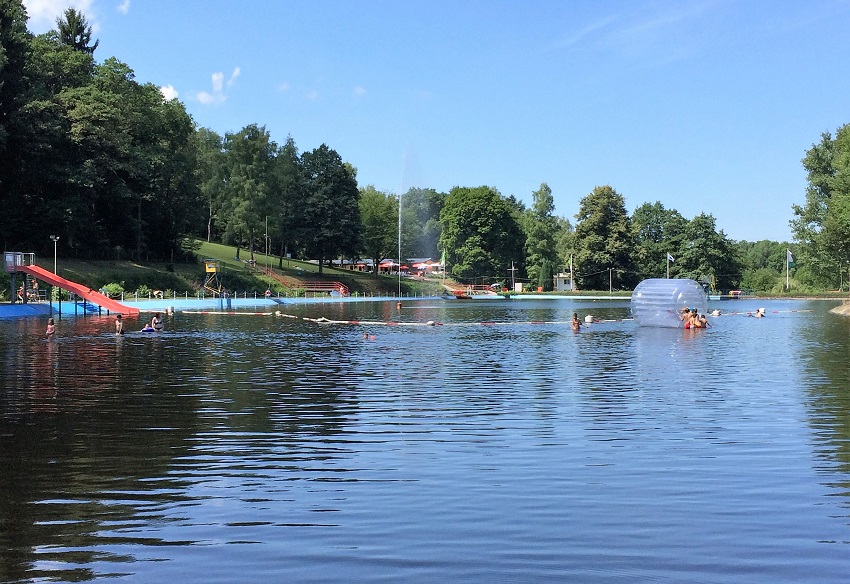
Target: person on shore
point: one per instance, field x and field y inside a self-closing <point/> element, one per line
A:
<point x="156" y="322"/>
<point x="51" y="329"/>
<point x="119" y="325"/>
<point x="575" y="323"/>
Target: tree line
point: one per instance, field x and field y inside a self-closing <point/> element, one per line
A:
<point x="114" y="169"/>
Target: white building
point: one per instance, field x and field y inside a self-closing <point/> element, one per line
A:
<point x="563" y="283"/>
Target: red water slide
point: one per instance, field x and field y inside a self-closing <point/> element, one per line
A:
<point x="92" y="296"/>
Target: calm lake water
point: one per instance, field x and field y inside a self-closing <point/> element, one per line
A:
<point x="243" y="448"/>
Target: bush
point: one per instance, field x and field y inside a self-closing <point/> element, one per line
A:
<point x="113" y="289"/>
<point x="143" y="291"/>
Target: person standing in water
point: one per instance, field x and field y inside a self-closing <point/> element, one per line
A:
<point x="51" y="329"/>
<point x="575" y="323"/>
<point x="156" y="322"/>
<point x="119" y="325"/>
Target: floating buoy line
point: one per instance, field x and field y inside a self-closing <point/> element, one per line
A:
<point x="322" y="320"/>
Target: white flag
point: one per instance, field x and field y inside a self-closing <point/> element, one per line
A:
<point x="788" y="257"/>
<point x="669" y="257"/>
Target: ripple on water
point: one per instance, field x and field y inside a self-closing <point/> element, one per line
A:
<point x="251" y="448"/>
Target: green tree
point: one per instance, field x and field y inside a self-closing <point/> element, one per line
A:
<point x="249" y="162"/>
<point x="762" y="280"/>
<point x="603" y="241"/>
<point x="564" y="243"/>
<point x="209" y="171"/>
<point x="755" y="255"/>
<point x="74" y="30"/>
<point x="42" y="143"/>
<point x="657" y="231"/>
<point x="541" y="230"/>
<point x="288" y="197"/>
<point x="544" y="277"/>
<point x="708" y="255"/>
<point x="379" y="216"/>
<point x="480" y="233"/>
<point x="331" y="220"/>
<point x="822" y="225"/>
<point x="14" y="43"/>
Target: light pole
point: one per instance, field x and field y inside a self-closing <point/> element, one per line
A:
<point x="55" y="239"/>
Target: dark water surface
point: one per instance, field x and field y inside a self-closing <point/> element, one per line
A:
<point x="237" y="448"/>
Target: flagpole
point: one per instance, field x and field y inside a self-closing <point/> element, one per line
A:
<point x="668" y="266"/>
<point x="786" y="269"/>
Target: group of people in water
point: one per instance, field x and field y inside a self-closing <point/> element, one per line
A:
<point x="154" y="326"/>
<point x="692" y="319"/>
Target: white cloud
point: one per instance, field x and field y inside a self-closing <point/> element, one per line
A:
<point x="217" y="82"/>
<point x="206" y="97"/>
<point x="312" y="95"/>
<point x="284" y="87"/>
<point x="217" y="94"/>
<point x="168" y="92"/>
<point x="359" y="91"/>
<point x="43" y="13"/>
<point x="124" y="7"/>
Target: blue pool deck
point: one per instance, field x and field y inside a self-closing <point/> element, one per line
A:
<point x="41" y="309"/>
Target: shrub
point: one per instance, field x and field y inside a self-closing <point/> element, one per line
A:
<point x="113" y="289"/>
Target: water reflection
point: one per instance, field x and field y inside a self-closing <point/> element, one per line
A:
<point x="824" y="353"/>
<point x="250" y="447"/>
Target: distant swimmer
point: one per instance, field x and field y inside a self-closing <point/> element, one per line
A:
<point x="703" y="322"/>
<point x="51" y="328"/>
<point x="119" y="325"/>
<point x="156" y="322"/>
<point x="148" y="329"/>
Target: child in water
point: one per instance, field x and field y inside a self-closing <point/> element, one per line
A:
<point x="51" y="328"/>
<point x="575" y="323"/>
<point x="119" y="325"/>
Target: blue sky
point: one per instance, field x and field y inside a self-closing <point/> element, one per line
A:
<point x="706" y="106"/>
